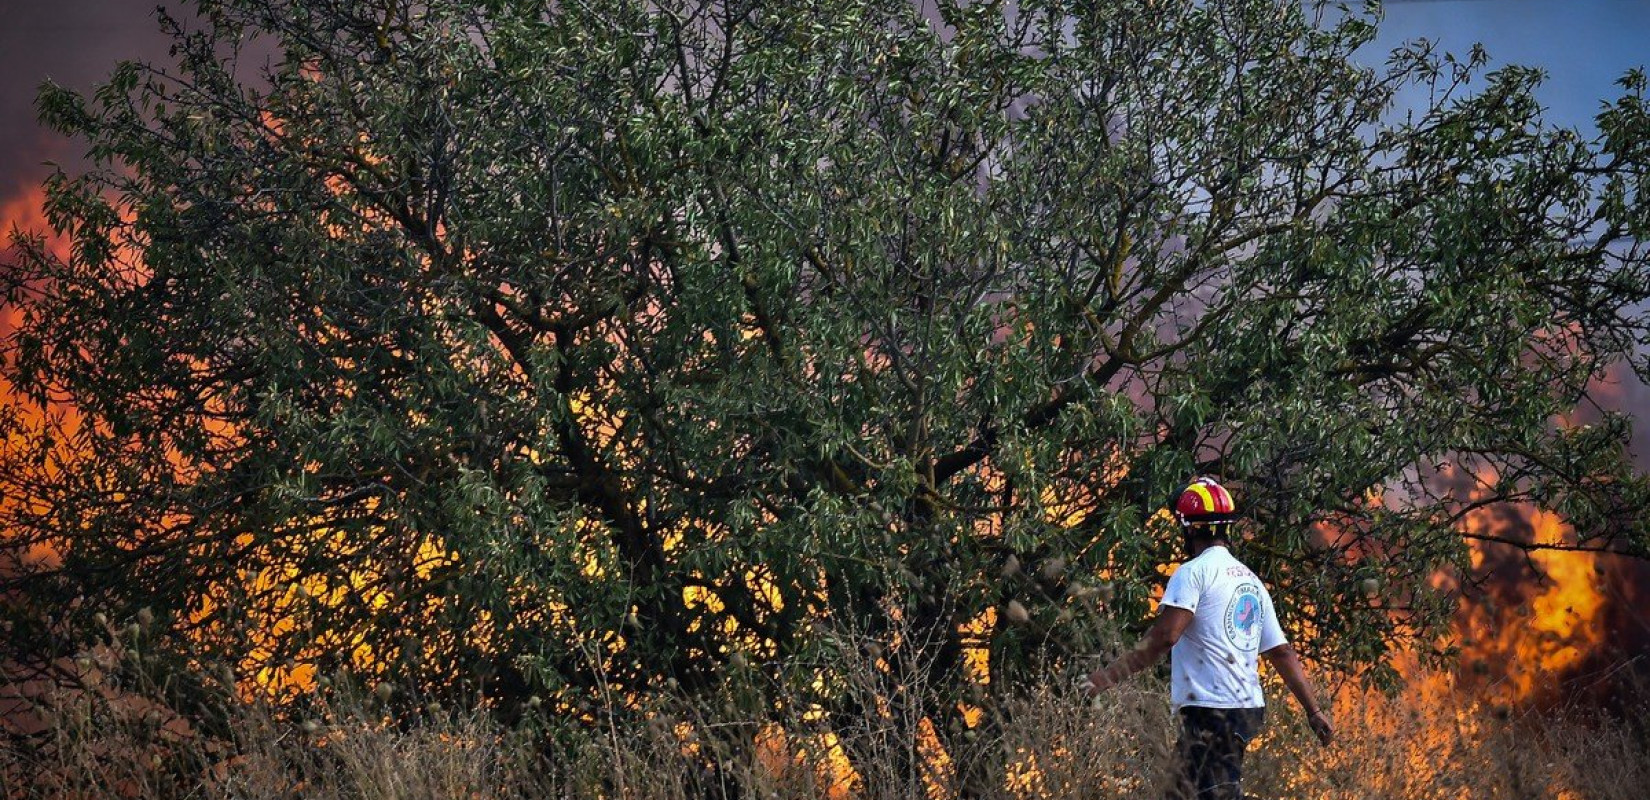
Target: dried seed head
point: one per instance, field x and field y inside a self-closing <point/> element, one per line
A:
<point x="385" y="690"/>
<point x="1011" y="567"/>
<point x="1053" y="569"/>
<point x="1017" y="613"/>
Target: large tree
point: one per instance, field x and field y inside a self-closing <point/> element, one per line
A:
<point x="561" y="348"/>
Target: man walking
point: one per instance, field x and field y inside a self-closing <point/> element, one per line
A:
<point x="1215" y="619"/>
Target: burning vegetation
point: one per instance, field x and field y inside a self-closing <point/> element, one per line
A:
<point x="1548" y="626"/>
<point x="774" y="404"/>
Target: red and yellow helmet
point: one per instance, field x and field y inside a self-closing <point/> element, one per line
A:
<point x="1204" y="501"/>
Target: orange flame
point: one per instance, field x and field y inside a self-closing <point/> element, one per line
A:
<point x="1520" y="641"/>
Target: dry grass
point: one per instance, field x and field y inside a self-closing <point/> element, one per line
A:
<point x="1042" y="743"/>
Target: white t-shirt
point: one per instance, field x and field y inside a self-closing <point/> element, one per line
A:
<point x="1213" y="664"/>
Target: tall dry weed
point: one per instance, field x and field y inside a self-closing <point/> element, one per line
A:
<point x="1036" y="741"/>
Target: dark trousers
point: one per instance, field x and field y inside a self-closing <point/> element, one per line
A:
<point x="1210" y="752"/>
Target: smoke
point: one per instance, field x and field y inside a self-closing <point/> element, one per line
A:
<point x="71" y="42"/>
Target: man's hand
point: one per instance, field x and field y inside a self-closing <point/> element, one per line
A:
<point x="1322" y="727"/>
<point x="1288" y="665"/>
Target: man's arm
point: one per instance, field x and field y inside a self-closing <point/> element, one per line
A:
<point x="1288" y="664"/>
<point x="1171" y="622"/>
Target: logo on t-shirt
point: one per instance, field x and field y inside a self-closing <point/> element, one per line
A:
<point x="1243" y="617"/>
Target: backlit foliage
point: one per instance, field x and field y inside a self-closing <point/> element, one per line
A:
<point x="561" y="352"/>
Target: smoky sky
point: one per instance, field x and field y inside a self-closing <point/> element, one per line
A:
<point x="75" y="43"/>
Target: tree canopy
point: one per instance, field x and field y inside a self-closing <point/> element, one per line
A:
<point x="557" y="348"/>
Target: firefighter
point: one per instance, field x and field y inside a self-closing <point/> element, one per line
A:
<point x="1215" y="620"/>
